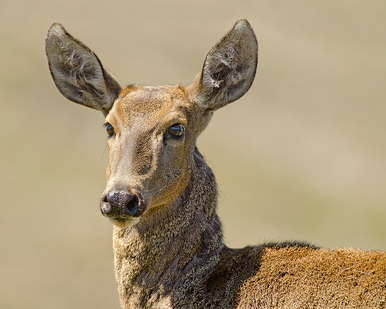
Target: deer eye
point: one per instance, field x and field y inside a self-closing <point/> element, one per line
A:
<point x="175" y="131"/>
<point x="109" y="130"/>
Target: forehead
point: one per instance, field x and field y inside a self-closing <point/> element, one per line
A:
<point x="148" y="104"/>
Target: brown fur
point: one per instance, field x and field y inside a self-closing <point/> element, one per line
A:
<point x="171" y="254"/>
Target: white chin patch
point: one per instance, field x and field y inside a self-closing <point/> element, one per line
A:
<point x="124" y="223"/>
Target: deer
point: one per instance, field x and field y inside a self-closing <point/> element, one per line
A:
<point x="161" y="195"/>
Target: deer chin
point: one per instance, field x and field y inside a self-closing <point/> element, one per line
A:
<point x="124" y="222"/>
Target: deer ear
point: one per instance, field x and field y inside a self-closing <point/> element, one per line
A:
<point x="229" y="68"/>
<point x="77" y="71"/>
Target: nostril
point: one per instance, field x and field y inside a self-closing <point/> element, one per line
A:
<point x="106" y="208"/>
<point x="132" y="206"/>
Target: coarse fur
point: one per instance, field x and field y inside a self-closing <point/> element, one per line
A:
<point x="162" y="196"/>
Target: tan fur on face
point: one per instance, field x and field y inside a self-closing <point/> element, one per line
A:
<point x="139" y="156"/>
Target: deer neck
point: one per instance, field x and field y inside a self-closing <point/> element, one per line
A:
<point x="180" y="244"/>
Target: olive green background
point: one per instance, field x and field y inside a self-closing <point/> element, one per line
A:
<point x="301" y="156"/>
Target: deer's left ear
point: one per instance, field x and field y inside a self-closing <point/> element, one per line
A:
<point x="77" y="71"/>
<point x="229" y="68"/>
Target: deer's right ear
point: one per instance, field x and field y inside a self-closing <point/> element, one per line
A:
<point x="77" y="71"/>
<point x="229" y="68"/>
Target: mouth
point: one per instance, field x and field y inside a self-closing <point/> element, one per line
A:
<point x="123" y="223"/>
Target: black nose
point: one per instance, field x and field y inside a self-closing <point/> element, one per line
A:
<point x="120" y="204"/>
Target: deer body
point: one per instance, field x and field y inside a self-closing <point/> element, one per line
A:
<point x="162" y="196"/>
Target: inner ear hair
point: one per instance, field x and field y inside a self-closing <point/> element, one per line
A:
<point x="77" y="72"/>
<point x="229" y="68"/>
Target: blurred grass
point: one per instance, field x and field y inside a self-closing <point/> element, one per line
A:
<point x="301" y="156"/>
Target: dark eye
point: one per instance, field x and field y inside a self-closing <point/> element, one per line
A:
<point x="175" y="131"/>
<point x="109" y="129"/>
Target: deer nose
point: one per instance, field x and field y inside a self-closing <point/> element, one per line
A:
<point x="120" y="204"/>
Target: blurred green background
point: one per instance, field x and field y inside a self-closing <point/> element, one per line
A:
<point x="301" y="156"/>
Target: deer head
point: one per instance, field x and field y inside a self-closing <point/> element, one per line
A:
<point x="152" y="131"/>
